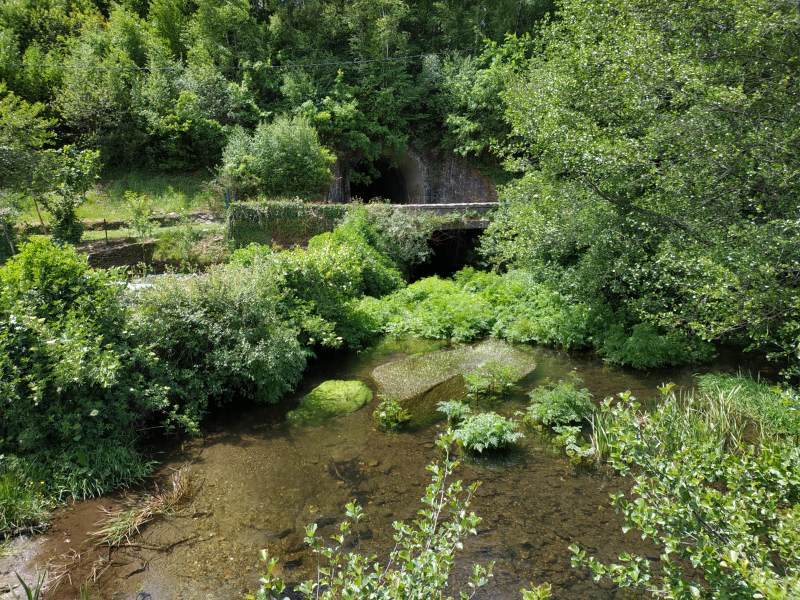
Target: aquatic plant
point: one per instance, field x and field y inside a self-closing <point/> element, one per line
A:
<point x="492" y="381"/>
<point x="487" y="431"/>
<point x="558" y="404"/>
<point x="455" y="411"/>
<point x="723" y="511"/>
<point x="774" y="409"/>
<point x="390" y="415"/>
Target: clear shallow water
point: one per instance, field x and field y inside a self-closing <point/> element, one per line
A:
<point x="260" y="482"/>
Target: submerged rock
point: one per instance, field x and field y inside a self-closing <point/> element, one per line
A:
<point x="328" y="399"/>
<point x="419" y="382"/>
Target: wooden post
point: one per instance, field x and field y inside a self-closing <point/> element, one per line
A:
<point x="105" y="230"/>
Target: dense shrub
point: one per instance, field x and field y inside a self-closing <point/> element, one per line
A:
<point x="433" y="308"/>
<point x="721" y="506"/>
<point x="322" y="284"/>
<point x="75" y="383"/>
<point x="220" y="336"/>
<point x="529" y="311"/>
<point x="558" y="404"/>
<point x="283" y="157"/>
<point x="486" y="432"/>
<point x="646" y="347"/>
<point x="398" y="234"/>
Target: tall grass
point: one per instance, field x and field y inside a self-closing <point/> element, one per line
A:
<point x="774" y="410"/>
<point x="22" y="505"/>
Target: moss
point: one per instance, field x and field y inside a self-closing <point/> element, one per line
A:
<point x="328" y="399"/>
<point x="420" y="381"/>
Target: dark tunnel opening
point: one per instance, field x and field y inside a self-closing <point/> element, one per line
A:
<point x="452" y="250"/>
<point x="389" y="185"/>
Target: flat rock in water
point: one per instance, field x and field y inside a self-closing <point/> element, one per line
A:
<point x="328" y="399"/>
<point x="419" y="382"/>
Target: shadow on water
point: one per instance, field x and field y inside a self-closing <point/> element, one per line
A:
<point x="260" y="482"/>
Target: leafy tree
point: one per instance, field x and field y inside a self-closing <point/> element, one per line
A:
<point x="668" y="187"/>
<point x="67" y="173"/>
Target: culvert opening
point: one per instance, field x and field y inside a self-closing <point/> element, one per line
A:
<point x="389" y="185"/>
<point x="452" y="250"/>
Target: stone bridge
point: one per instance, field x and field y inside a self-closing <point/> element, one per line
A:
<point x="465" y="215"/>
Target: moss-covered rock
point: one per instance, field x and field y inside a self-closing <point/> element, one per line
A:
<point x="328" y="399"/>
<point x="419" y="382"/>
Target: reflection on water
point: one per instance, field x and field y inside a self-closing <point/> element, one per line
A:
<point x="260" y="482"/>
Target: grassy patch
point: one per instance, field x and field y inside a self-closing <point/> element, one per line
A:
<point x="22" y="504"/>
<point x="169" y="193"/>
<point x="774" y="409"/>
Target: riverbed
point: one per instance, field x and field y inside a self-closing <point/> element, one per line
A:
<point x="258" y="482"/>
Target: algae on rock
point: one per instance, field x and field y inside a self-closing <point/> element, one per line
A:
<point x="329" y="399"/>
<point x="419" y="382"/>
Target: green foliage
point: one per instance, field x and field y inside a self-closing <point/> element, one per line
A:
<point x="23" y="502"/>
<point x="421" y="562"/>
<point x="432" y="308"/>
<point x="487" y="432"/>
<point x="722" y="510"/>
<point x="282" y="222"/>
<point x="776" y="410"/>
<point x="283" y="157"/>
<point x="67" y="174"/>
<point x="455" y="411"/>
<point x="645" y="347"/>
<point x="141" y="207"/>
<point x="76" y="383"/>
<point x="227" y="325"/>
<point x="492" y="381"/>
<point x="562" y="403"/>
<point x="329" y="399"/>
<point x="665" y="191"/>
<point x="390" y="415"/>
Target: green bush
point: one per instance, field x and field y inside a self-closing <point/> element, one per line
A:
<point x="433" y="308"/>
<point x="722" y="508"/>
<point x="529" y="311"/>
<point x="283" y="157"/>
<point x="646" y="347"/>
<point x="390" y="415"/>
<point x="400" y="235"/>
<point x="559" y="404"/>
<point x="492" y="381"/>
<point x="219" y="336"/>
<point x="487" y="431"/>
<point x="75" y="382"/>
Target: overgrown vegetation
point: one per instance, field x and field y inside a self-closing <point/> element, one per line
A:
<point x="561" y="403"/>
<point x="84" y="365"/>
<point x="721" y="506"/>
<point x="516" y="307"/>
